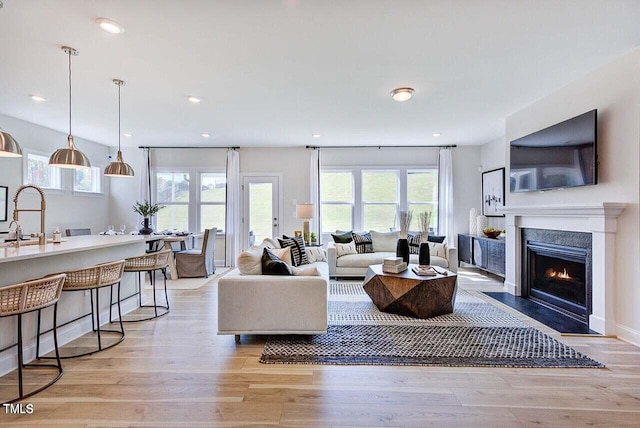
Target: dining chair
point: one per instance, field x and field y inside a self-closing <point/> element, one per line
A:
<point x="198" y="263"/>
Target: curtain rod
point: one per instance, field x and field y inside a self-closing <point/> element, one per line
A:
<point x="189" y="147"/>
<point x="451" y="146"/>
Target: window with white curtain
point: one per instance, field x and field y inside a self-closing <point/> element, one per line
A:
<point x="370" y="198"/>
<point x="213" y="187"/>
<point x="172" y="191"/>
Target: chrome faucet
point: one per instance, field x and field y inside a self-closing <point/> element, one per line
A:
<point x="18" y="232"/>
<point x="42" y="237"/>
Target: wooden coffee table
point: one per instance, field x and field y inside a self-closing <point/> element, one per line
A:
<point x="409" y="294"/>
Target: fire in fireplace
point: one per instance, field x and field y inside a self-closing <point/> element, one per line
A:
<point x="556" y="276"/>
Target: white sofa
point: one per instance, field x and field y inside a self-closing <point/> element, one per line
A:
<point x="355" y="265"/>
<point x="271" y="304"/>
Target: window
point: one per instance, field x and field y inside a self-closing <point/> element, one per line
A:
<point x="37" y="171"/>
<point x="422" y="196"/>
<point x="88" y="180"/>
<point x="369" y="199"/>
<point x="193" y="199"/>
<point x="380" y="198"/>
<point x="213" y="195"/>
<point x="172" y="191"/>
<point x="336" y="196"/>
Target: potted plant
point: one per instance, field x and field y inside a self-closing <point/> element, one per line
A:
<point x="313" y="238"/>
<point x="146" y="210"/>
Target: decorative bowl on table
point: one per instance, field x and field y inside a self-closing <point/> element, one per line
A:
<point x="490" y="232"/>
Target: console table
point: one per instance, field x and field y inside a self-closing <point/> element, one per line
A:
<point x="484" y="253"/>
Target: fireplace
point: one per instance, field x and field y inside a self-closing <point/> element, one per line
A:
<point x="557" y="271"/>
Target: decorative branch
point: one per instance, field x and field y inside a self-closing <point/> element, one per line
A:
<point x="424" y="223"/>
<point x="405" y="222"/>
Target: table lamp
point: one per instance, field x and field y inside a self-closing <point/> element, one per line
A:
<point x="305" y="211"/>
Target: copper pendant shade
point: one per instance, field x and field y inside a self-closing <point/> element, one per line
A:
<point x="8" y="146"/>
<point x="69" y="157"/>
<point x="119" y="168"/>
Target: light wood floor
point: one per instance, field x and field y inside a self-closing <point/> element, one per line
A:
<point x="177" y="372"/>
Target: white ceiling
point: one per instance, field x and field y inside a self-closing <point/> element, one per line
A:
<point x="271" y="73"/>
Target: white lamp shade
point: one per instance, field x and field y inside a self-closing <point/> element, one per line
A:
<point x="304" y="211"/>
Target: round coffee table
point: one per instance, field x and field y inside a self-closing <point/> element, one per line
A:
<point x="409" y="294"/>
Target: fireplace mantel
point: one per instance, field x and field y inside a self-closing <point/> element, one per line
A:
<point x="599" y="219"/>
<point x="603" y="209"/>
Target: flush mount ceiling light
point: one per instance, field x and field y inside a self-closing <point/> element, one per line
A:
<point x="126" y="134"/>
<point x="194" y="100"/>
<point x="9" y="148"/>
<point x="437" y="134"/>
<point x="119" y="168"/>
<point x="69" y="157"/>
<point x="110" y="26"/>
<point x="38" y="98"/>
<point x="402" y="94"/>
<point x="205" y="135"/>
<point x="316" y="135"/>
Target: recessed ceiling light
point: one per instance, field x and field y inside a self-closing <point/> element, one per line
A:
<point x="316" y="135"/>
<point x="194" y="100"/>
<point x="436" y="134"/>
<point x="205" y="135"/>
<point x="38" y="98"/>
<point x="126" y="134"/>
<point x="402" y="94"/>
<point x="110" y="26"/>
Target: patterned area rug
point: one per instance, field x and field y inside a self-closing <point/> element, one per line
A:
<point x="477" y="333"/>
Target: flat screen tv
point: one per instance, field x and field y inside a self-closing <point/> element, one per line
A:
<point x="560" y="156"/>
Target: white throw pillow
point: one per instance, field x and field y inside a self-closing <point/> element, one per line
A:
<point x="344" y="249"/>
<point x="316" y="254"/>
<point x="271" y="243"/>
<point x="437" y="249"/>
<point x="283" y="254"/>
<point x="384" y="241"/>
<point x="250" y="262"/>
<point x="307" y="271"/>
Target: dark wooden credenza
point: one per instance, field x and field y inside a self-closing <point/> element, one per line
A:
<point x="482" y="252"/>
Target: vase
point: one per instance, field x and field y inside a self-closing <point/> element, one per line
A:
<point x="146" y="230"/>
<point x="424" y="254"/>
<point x="481" y="223"/>
<point x="402" y="250"/>
<point x="473" y="221"/>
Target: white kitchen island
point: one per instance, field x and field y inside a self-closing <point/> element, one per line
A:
<point x="35" y="261"/>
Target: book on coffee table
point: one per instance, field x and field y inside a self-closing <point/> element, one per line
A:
<point x="394" y="268"/>
<point x="424" y="270"/>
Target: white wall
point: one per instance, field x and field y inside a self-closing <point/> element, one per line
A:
<point x="64" y="209"/>
<point x="467" y="185"/>
<point x="615" y="91"/>
<point x="493" y="156"/>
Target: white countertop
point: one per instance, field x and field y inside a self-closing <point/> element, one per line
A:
<point x="70" y="245"/>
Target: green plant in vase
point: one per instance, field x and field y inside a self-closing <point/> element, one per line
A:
<point x="312" y="235"/>
<point x="147" y="210"/>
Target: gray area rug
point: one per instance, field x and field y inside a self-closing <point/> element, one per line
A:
<point x="476" y="334"/>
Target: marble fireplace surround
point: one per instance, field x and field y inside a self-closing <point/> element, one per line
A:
<point x="599" y="219"/>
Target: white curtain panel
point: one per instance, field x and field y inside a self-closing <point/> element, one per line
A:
<point x="232" y="227"/>
<point x="314" y="197"/>
<point x="145" y="179"/>
<point x="445" y="195"/>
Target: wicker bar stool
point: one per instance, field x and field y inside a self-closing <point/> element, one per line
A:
<point x="27" y="297"/>
<point x="150" y="263"/>
<point x="93" y="279"/>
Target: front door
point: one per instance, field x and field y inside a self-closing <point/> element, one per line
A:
<point x="260" y="216"/>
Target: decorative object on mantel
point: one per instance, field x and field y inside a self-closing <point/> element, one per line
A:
<point x="69" y="157"/>
<point x="402" y="248"/>
<point x="473" y="221"/>
<point x="146" y="210"/>
<point x="481" y="223"/>
<point x="424" y="254"/>
<point x="119" y="168"/>
<point x="492" y="193"/>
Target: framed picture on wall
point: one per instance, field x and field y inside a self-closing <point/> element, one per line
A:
<point x="493" y="192"/>
<point x="4" y="202"/>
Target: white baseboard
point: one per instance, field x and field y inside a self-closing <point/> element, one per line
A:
<point x="66" y="334"/>
<point x="511" y="288"/>
<point x="628" y="334"/>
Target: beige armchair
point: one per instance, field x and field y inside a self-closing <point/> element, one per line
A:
<point x="198" y="263"/>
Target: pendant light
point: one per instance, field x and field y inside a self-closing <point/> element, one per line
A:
<point x="119" y="168"/>
<point x="69" y="157"/>
<point x="8" y="146"/>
